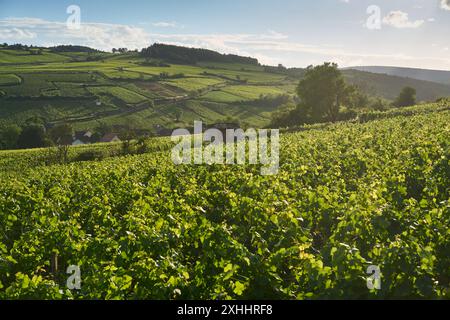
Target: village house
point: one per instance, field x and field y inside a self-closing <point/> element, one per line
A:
<point x="82" y="137"/>
<point x="110" y="137"/>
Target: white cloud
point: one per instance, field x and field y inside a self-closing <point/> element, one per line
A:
<point x="274" y="35"/>
<point x="98" y="35"/>
<point x="164" y="24"/>
<point x="270" y="47"/>
<point x="445" y="4"/>
<point x="273" y="51"/>
<point x="16" y="34"/>
<point x="400" y="19"/>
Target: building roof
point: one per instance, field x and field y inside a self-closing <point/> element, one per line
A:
<point x="78" y="142"/>
<point x="109" y="137"/>
<point x="83" y="134"/>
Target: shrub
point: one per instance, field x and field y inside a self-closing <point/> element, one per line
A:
<point x="91" y="155"/>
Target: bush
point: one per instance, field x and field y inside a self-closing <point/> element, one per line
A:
<point x="92" y="155"/>
<point x="347" y="115"/>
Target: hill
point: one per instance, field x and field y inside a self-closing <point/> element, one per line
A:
<point x="87" y="88"/>
<point x="179" y="54"/>
<point x="347" y="196"/>
<point x="439" y="76"/>
<point x="379" y="84"/>
<point x="388" y="86"/>
<point x="162" y="87"/>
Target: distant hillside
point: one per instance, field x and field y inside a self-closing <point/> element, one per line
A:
<point x="70" y="48"/>
<point x="160" y="88"/>
<point x="88" y="89"/>
<point x="192" y="55"/>
<point x="388" y="86"/>
<point x="378" y="84"/>
<point x="439" y="76"/>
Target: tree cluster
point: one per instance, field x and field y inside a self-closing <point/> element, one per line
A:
<point x="71" y="48"/>
<point x="324" y="96"/>
<point x="178" y="54"/>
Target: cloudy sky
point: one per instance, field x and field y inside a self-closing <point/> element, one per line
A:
<point x="410" y="33"/>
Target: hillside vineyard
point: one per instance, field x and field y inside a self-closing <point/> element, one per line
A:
<point x="347" y="196"/>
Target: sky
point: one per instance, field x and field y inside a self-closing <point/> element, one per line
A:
<point x="295" y="33"/>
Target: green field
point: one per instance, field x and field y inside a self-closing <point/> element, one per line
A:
<point x="252" y="92"/>
<point x="194" y="84"/>
<point x="25" y="57"/>
<point x="347" y="196"/>
<point x="9" y="79"/>
<point x="221" y="97"/>
<point x="125" y="95"/>
<point x="119" y="80"/>
<point x="235" y="93"/>
<point x="36" y="84"/>
<point x="39" y="85"/>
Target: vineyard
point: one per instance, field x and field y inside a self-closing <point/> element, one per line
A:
<point x="88" y="89"/>
<point x="347" y="196"/>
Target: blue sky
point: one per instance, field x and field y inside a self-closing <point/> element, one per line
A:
<point x="411" y="33"/>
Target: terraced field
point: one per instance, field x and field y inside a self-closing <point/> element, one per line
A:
<point x="40" y="85"/>
<point x="115" y="88"/>
<point x="9" y="79"/>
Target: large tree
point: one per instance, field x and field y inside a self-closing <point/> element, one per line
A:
<point x="62" y="134"/>
<point x="406" y="98"/>
<point x="322" y="92"/>
<point x="9" y="136"/>
<point x="32" y="136"/>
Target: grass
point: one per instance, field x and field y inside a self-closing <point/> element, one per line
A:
<point x="188" y="71"/>
<point x="9" y="79"/>
<point x="37" y="84"/>
<point x="71" y="89"/>
<point x="158" y="89"/>
<point x="125" y="75"/>
<point x="25" y="57"/>
<point x="52" y="83"/>
<point x="252" y="92"/>
<point x="221" y="97"/>
<point x="194" y="84"/>
<point x="347" y="196"/>
<point x="230" y="66"/>
<point x="18" y="110"/>
<point x="120" y="93"/>
<point x="231" y="94"/>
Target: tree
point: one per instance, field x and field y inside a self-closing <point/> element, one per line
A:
<point x="62" y="134"/>
<point x="9" y="136"/>
<point x="355" y="98"/>
<point x="178" y="115"/>
<point x="36" y="120"/>
<point x="104" y="128"/>
<point x="379" y="104"/>
<point x="32" y="136"/>
<point x="406" y="98"/>
<point x="127" y="135"/>
<point x="322" y="92"/>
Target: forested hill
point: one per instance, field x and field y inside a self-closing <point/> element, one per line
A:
<point x="440" y="76"/>
<point x="192" y="55"/>
<point x="71" y="48"/>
